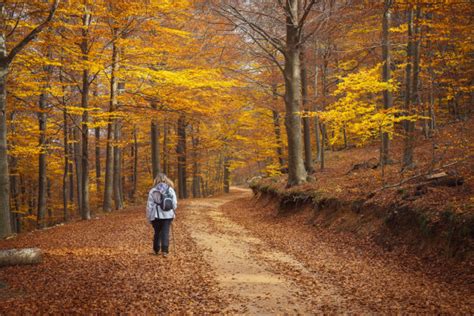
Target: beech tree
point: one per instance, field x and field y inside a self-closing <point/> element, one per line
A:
<point x="6" y="58"/>
<point x="292" y="14"/>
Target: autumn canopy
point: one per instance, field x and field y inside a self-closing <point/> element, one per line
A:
<point x="98" y="96"/>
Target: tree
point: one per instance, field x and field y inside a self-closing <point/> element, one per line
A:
<point x="6" y="59"/>
<point x="252" y="22"/>
<point x="387" y="95"/>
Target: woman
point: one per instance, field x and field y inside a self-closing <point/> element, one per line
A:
<point x="159" y="213"/>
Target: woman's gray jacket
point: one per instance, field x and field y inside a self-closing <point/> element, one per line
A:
<point x="154" y="211"/>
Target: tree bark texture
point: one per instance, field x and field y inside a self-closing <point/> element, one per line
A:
<point x="386" y="75"/>
<point x="77" y="161"/>
<point x="98" y="171"/>
<point x="226" y="175"/>
<point x="66" y="166"/>
<point x="14" y="190"/>
<point x="196" y="166"/>
<point x="85" y="206"/>
<point x="324" y="137"/>
<point x="181" y="151"/>
<point x="277" y="129"/>
<point x="135" y="163"/>
<point x="155" y="145"/>
<point x="5" y="223"/>
<point x="42" y="178"/>
<point x="292" y="73"/>
<point x="323" y="149"/>
<point x="308" y="155"/>
<point x="11" y="257"/>
<point x="316" y="117"/>
<point x="109" y="155"/>
<point x="117" y="177"/>
<point x="166" y="168"/>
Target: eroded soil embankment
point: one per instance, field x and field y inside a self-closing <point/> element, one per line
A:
<point x="429" y="235"/>
<point x="362" y="272"/>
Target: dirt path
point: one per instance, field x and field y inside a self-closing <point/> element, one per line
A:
<point x="241" y="264"/>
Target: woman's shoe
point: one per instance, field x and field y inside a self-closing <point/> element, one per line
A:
<point x="165" y="254"/>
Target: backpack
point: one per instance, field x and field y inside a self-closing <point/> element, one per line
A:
<point x="166" y="201"/>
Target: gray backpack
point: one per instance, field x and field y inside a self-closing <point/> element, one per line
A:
<point x="165" y="201"/>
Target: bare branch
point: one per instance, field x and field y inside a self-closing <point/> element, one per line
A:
<point x="32" y="35"/>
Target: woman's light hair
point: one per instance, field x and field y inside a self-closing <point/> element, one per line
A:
<point x="162" y="178"/>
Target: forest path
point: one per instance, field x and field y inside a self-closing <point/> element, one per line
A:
<point x="228" y="257"/>
<point x="240" y="261"/>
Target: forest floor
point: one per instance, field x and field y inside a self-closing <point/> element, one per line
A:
<point x="354" y="173"/>
<point x="229" y="257"/>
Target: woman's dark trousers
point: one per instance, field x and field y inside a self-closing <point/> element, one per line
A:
<point x="161" y="240"/>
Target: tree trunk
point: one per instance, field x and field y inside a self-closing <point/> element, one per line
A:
<point x="16" y="218"/>
<point x="166" y="169"/>
<point x="415" y="94"/>
<point x="431" y="96"/>
<point x="323" y="141"/>
<point x="226" y="175"/>
<point x="181" y="151"/>
<point x="196" y="171"/>
<point x="85" y="211"/>
<point x="85" y="207"/>
<point x="317" y="131"/>
<point x="109" y="155"/>
<point x="98" y="175"/>
<point x="316" y="117"/>
<point x="431" y="111"/>
<point x="15" y="257"/>
<point x="117" y="178"/>
<point x="409" y="126"/>
<point x="66" y="169"/>
<point x="324" y="136"/>
<point x="42" y="194"/>
<point x="277" y="128"/>
<point x="14" y="186"/>
<point x="344" y="134"/>
<point x="77" y="161"/>
<point x="5" y="223"/>
<point x="66" y="165"/>
<point x="155" y="144"/>
<point x="292" y="73"/>
<point x="109" y="165"/>
<point x="386" y="75"/>
<point x="135" y="163"/>
<point x="71" y="167"/>
<point x="308" y="155"/>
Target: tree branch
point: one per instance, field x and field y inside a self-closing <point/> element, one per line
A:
<point x="32" y="35"/>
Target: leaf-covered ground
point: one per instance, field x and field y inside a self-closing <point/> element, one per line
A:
<point x="358" y="275"/>
<point x="231" y="257"/>
<point x="105" y="266"/>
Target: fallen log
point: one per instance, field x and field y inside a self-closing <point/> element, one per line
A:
<point x="436" y="176"/>
<point x="446" y="181"/>
<point x="12" y="257"/>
